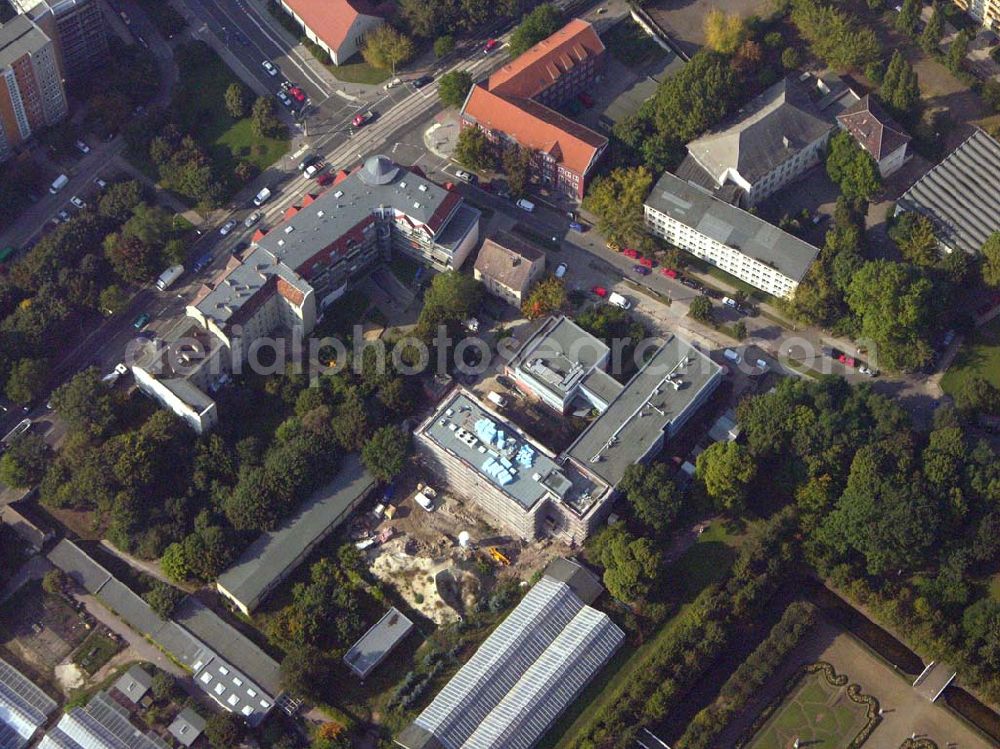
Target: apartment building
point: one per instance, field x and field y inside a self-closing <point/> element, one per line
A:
<point x="338" y="27"/>
<point x="517" y="105"/>
<point x="76" y="27"/>
<point x="508" y="267"/>
<point x="987" y="12"/>
<point x="31" y="89"/>
<point x="689" y="217"/>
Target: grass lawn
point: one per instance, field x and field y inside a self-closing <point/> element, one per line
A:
<point x="342" y="315"/>
<point x="94" y="652"/>
<point x="356" y="70"/>
<point x="979" y="355"/>
<point x="404" y="269"/>
<point x="815" y="713"/>
<point x="995" y="587"/>
<point x="631" y="45"/>
<point x="201" y="102"/>
<point x="707" y="562"/>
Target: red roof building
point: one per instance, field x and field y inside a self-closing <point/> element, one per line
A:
<point x="517" y="105"/>
<point x="877" y="133"/>
<point x="337" y="26"/>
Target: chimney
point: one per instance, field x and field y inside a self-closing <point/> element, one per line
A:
<point x="787" y="143"/>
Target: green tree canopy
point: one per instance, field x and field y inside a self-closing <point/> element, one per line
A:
<point x="25" y="461"/>
<point x="444" y="45"/>
<point x="449" y="299"/>
<point x="727" y="470"/>
<point x="384" y="454"/>
<point x="225" y="730"/>
<point x="473" y="149"/>
<point x="548" y="296"/>
<point x="454" y="86"/>
<point x="617" y="201"/>
<point x="630" y="564"/>
<point x="724" y="32"/>
<point x="653" y="496"/>
<point x="387" y="48"/>
<point x="991" y="260"/>
<point x="700" y="309"/>
<point x="27" y="381"/>
<point x="900" y="90"/>
<point x="853" y="168"/>
<point x="835" y="35"/>
<point x="930" y="38"/>
<point x="85" y="403"/>
<point x="163" y="598"/>
<point x="913" y="233"/>
<point x="237" y="99"/>
<point x="906" y="19"/>
<point x="539" y="24"/>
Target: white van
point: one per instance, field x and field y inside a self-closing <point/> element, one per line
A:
<point x="619" y="301"/>
<point x="168" y="276"/>
<point x="58" y="184"/>
<point x="732" y="356"/>
<point x="526" y="205"/>
<point x="494" y="397"/>
<point x="262" y="197"/>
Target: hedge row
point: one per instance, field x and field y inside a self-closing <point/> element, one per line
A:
<point x="697" y="639"/>
<point x="747" y="680"/>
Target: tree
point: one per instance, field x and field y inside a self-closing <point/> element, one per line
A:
<point x="517" y="166"/>
<point x="454" y="86"/>
<point x="909" y="14"/>
<point x="25" y="461"/>
<point x="237" y="98"/>
<point x="27" y="381"/>
<point x="85" y="403"/>
<point x="444" y="45"/>
<point x="163" y="686"/>
<point x="653" y="496"/>
<point x="978" y="395"/>
<point x="617" y="201"/>
<point x="930" y="38"/>
<point x="473" y="149"/>
<point x="893" y="302"/>
<point x="174" y="563"/>
<point x="112" y="299"/>
<point x="119" y="200"/>
<point x="539" y="24"/>
<point x="791" y="59"/>
<point x="304" y="671"/>
<point x="724" y="32"/>
<point x="132" y="259"/>
<point x="330" y="736"/>
<point x="701" y="310"/>
<point x="163" y="598"/>
<point x="835" y="35"/>
<point x="991" y="259"/>
<point x="913" y="233"/>
<point x="958" y="50"/>
<point x="990" y="93"/>
<point x="54" y="582"/>
<point x="384" y="454"/>
<point x="900" y="90"/>
<point x="263" y="119"/>
<point x="853" y="168"/>
<point x="630" y="564"/>
<point x="727" y="469"/>
<point x="224" y="730"/>
<point x="450" y="298"/>
<point x="386" y="48"/>
<point x="548" y="296"/>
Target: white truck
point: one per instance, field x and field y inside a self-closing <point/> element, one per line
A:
<point x="262" y="197"/>
<point x="168" y="276"/>
<point x="58" y="183"/>
<point x="619" y="301"/>
<point x="495" y="398"/>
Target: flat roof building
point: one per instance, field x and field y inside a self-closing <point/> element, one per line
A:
<point x="961" y="195"/>
<point x="78" y="29"/>
<point x="689" y="217"/>
<point x="368" y="652"/>
<point x="275" y="554"/>
<point x="523" y="676"/>
<point x="24" y="708"/>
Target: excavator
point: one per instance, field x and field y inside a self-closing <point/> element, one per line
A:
<point x="498" y="556"/>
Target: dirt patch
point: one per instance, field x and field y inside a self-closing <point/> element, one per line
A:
<point x="69" y="677"/>
<point x="39" y="628"/>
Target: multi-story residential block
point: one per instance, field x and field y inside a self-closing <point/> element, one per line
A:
<point x="292" y="273"/>
<point x="31" y="88"/>
<point x="691" y="218"/>
<point x="77" y="28"/>
<point x="336" y="26"/>
<point x="987" y="12"/>
<point x="877" y="133"/>
<point x="516" y="105"/>
<point x="774" y="140"/>
<point x="961" y="195"/>
<point x="508" y="267"/>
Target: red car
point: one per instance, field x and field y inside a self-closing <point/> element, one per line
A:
<point x="647" y="262"/>
<point x="490" y="46"/>
<point x="669" y="272"/>
<point x="362" y="118"/>
<point x="297" y="93"/>
<point x="586" y="100"/>
<point x="600" y="291"/>
<point x="847" y="360"/>
<point x="629" y="252"/>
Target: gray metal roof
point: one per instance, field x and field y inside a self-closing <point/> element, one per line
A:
<point x="961" y="195"/>
<point x="130" y="607"/>
<point x="772" y="128"/>
<point x="78" y="565"/>
<point x="510" y="690"/>
<point x="377" y="642"/>
<point x="187" y="726"/>
<point x="602" y="385"/>
<point x="19" y="37"/>
<point x="559" y="354"/>
<point x="134" y="683"/>
<point x="648" y="404"/>
<point x="732" y="226"/>
<point x="24" y="708"/>
<point x="102" y="724"/>
<point x="274" y="553"/>
<point x="580" y="580"/>
<point x="519" y="468"/>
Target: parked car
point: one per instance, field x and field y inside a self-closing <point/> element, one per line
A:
<point x="646" y="262"/>
<point x="526" y="205"/>
<point x="629" y="252"/>
<point x="298" y="94"/>
<point x="283" y="98"/>
<point x="363" y="118"/>
<point x="422" y="81"/>
<point x="64" y="215"/>
<point x="101" y="184"/>
<point x="253" y="218"/>
<point x="561" y="270"/>
<point x="467" y="176"/>
<point x="491" y="44"/>
<point x="78" y="202"/>
<point x="82" y="147"/>
<point x="619" y="301"/>
<point x="642" y="270"/>
<point x="668" y="272"/>
<point x="227" y="227"/>
<point x="600" y="291"/>
<point x="269" y="67"/>
<point x="867" y="371"/>
<point x="141" y="321"/>
<point x="690" y="283"/>
<point x="576" y="226"/>
<point x="309" y="160"/>
<point x="730" y="302"/>
<point x="311" y="171"/>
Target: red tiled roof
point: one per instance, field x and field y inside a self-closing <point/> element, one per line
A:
<point x="330" y="20"/>
<point x="537" y="127"/>
<point x="872" y="127"/>
<point x="543" y="64"/>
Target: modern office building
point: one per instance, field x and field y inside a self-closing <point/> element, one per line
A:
<point x="690" y="217"/>
<point x="517" y="105"/>
<point x="961" y="195"/>
<point x="987" y="12"/>
<point x="877" y="133"/>
<point x="523" y="676"/>
<point x="771" y="142"/>
<point x="24" y="708"/>
<point x="276" y="554"/>
<point x="508" y="267"/>
<point x="31" y="89"/>
<point x="338" y="27"/>
<point x="78" y="29"/>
